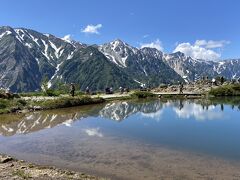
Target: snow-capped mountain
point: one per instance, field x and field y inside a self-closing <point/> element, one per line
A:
<point x="193" y="69"/>
<point x="118" y="52"/>
<point x="27" y="57"/>
<point x="145" y="66"/>
<point x="228" y="68"/>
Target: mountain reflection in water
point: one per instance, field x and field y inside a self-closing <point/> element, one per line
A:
<point x="200" y="110"/>
<point x="147" y="139"/>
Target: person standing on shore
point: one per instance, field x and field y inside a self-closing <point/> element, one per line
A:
<point x="72" y="89"/>
<point x="87" y="90"/>
<point x="181" y="88"/>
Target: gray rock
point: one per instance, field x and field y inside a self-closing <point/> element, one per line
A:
<point x="5" y="159"/>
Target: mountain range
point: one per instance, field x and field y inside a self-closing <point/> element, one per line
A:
<point x="28" y="56"/>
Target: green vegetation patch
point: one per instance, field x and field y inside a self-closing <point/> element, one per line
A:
<point x="22" y="174"/>
<point x="226" y="90"/>
<point x="143" y="94"/>
<point x="11" y="105"/>
<point x="68" y="102"/>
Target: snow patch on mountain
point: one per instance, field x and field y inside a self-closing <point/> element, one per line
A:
<point x="118" y="52"/>
<point x="20" y="34"/>
<point x="34" y="39"/>
<point x="55" y="74"/>
<point x="141" y="84"/>
<point x="45" y="53"/>
<point x="114" y="57"/>
<point x="70" y="56"/>
<point x="5" y="33"/>
<point x="57" y="50"/>
<point x="29" y="45"/>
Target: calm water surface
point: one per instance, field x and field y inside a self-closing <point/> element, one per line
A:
<point x="127" y="139"/>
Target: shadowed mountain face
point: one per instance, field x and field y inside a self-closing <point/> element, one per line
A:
<point x="27" y="57"/>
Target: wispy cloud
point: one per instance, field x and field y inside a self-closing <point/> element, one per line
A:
<point x="146" y="36"/>
<point x="211" y="44"/>
<point x="92" y="29"/>
<point x="155" y="44"/>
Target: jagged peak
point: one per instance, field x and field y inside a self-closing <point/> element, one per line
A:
<point x="118" y="42"/>
<point x="178" y="53"/>
<point x="150" y="49"/>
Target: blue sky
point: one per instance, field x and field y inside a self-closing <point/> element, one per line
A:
<point x="166" y="24"/>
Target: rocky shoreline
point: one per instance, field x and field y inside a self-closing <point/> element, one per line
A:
<point x="13" y="169"/>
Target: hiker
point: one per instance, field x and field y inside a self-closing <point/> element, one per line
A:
<point x="222" y="80"/>
<point x="72" y="89"/>
<point x="107" y="90"/>
<point x="121" y="90"/>
<point x="181" y="88"/>
<point x="111" y="90"/>
<point x="126" y="90"/>
<point x="8" y="93"/>
<point x="214" y="83"/>
<point x="87" y="90"/>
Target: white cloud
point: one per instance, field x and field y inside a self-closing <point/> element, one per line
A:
<point x="211" y="44"/>
<point x="197" y="52"/>
<point x="67" y="38"/>
<point x="202" y="49"/>
<point x="94" y="132"/>
<point x="156" y="44"/>
<point x="92" y="29"/>
<point x="196" y="111"/>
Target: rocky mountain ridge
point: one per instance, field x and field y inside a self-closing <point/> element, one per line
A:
<point x="27" y="57"/>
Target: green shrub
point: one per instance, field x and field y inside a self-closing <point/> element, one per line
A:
<point x="163" y="86"/>
<point x="143" y="94"/>
<point x="52" y="92"/>
<point x="22" y="102"/>
<point x="11" y="105"/>
<point x="2" y="105"/>
<point x="226" y="90"/>
<point x="79" y="93"/>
